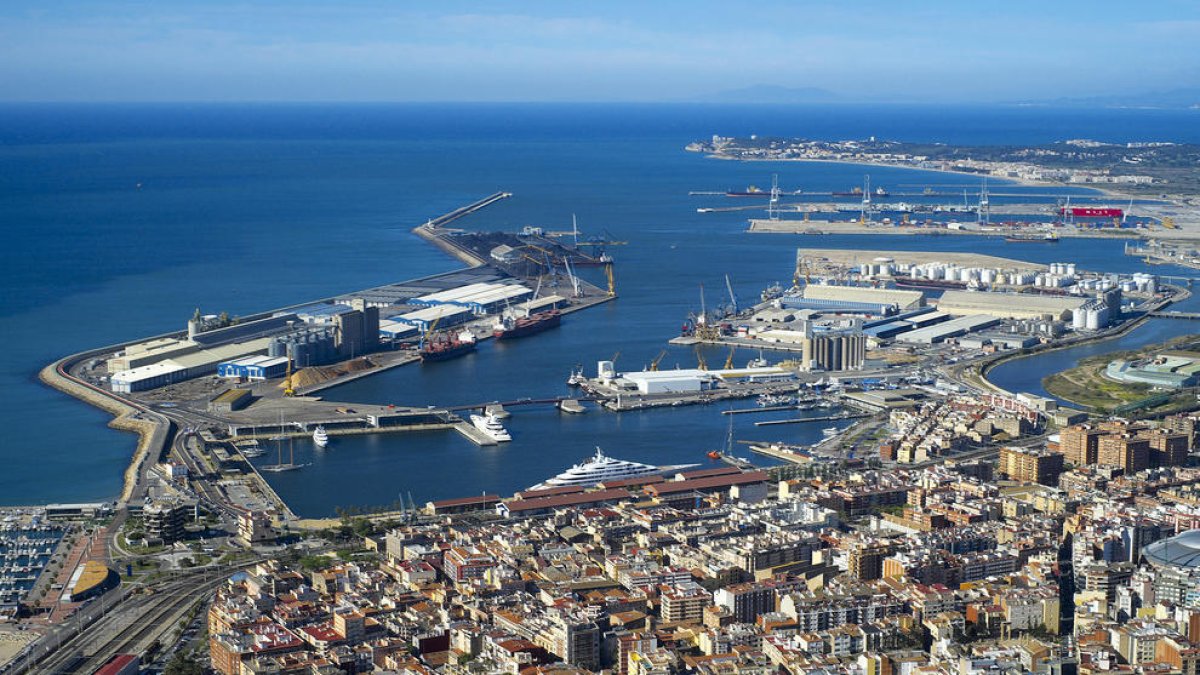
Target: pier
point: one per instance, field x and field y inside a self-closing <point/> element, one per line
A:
<point x="1173" y="314"/>
<point x="823" y="418"/>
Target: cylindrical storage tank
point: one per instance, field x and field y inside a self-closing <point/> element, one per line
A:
<point x="1092" y="319"/>
<point x="1079" y="318"/>
<point x="988" y="276"/>
<point x="1071" y="269"/>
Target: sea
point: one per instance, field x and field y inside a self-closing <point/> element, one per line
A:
<point x="121" y="219"/>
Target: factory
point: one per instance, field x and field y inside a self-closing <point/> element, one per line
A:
<point x="184" y="367"/>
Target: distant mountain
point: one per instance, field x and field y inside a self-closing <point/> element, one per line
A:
<point x="1175" y="98"/>
<point x="769" y="93"/>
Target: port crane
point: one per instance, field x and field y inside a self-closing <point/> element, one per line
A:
<point x="700" y="362"/>
<point x="288" y="389"/>
<point x="729" y="359"/>
<point x="425" y="337"/>
<point x="654" y="364"/>
<point x="733" y="303"/>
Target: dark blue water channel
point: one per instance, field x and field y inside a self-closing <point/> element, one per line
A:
<point x="120" y="220"/>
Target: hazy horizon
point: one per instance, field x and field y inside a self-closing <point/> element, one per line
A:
<point x="539" y="52"/>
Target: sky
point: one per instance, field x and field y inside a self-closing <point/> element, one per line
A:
<point x="607" y="50"/>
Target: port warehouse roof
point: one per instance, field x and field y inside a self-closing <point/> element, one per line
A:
<point x="1009" y="305"/>
<point x="701" y="484"/>
<point x="188" y="365"/>
<point x="948" y="329"/>
<point x="879" y="296"/>
<point x="400" y="294"/>
<point x="473" y="293"/>
<point x="524" y="507"/>
<point x="460" y="504"/>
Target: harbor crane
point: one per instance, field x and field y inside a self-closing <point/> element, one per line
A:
<point x="654" y="364"/>
<point x="425" y="337"/>
<point x="288" y="388"/>
<point x="729" y="359"/>
<point x="700" y="362"/>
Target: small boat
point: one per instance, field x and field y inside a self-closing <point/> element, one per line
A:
<point x="577" y="378"/>
<point x="1047" y="238"/>
<point x="320" y="437"/>
<point x="830" y="432"/>
<point x="713" y="454"/>
<point x="491" y="427"/>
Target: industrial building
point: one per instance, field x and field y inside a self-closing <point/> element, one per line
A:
<point x="1009" y="305"/>
<point x="1168" y="370"/>
<point x="953" y="328"/>
<point x="184" y="367"/>
<point x="254" y="367"/>
<point x="482" y="298"/>
<point x="903" y="300"/>
<point x="684" y="380"/>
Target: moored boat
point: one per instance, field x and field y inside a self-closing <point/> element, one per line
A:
<point x="491" y="427"/>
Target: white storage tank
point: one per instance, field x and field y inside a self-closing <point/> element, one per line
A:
<point x="1079" y="318"/>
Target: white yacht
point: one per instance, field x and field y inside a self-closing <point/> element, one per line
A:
<point x="490" y="425"/>
<point x="600" y="468"/>
<point x="320" y="437"/>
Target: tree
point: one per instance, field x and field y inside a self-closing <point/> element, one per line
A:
<point x="183" y="664"/>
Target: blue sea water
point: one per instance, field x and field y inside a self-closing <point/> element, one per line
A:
<point x="119" y="220"/>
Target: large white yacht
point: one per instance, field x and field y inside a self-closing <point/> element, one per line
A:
<point x="320" y="437"/>
<point x="490" y="425"/>
<point x="600" y="468"/>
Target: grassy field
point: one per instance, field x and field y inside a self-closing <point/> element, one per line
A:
<point x="1086" y="386"/>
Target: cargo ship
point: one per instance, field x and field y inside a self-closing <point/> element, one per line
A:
<point x="933" y="284"/>
<point x="1091" y="212"/>
<point x="1047" y="238"/>
<point x="510" y="327"/>
<point x="449" y="347"/>
<point x="751" y="191"/>
<point x="858" y="192"/>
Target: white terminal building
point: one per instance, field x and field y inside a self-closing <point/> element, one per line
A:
<point x="684" y="380"/>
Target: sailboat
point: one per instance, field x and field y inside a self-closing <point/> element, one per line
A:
<point x="280" y="466"/>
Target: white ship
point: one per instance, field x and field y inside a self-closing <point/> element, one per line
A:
<point x="490" y="425"/>
<point x="602" y="468"/>
<point x="320" y="437"/>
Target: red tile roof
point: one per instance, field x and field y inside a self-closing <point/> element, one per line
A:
<point x="707" y="483"/>
<point x="574" y="499"/>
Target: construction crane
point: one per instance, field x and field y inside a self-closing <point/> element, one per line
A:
<point x="729" y="359"/>
<point x="654" y="363"/>
<point x="288" y="389"/>
<point x="700" y="362"/>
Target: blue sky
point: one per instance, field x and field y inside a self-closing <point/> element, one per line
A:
<point x="958" y="50"/>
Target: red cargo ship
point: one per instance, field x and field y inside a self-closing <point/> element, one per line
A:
<point x="448" y="347"/>
<point x="526" y="325"/>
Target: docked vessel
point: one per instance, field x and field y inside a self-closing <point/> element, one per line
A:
<point x="515" y="327"/>
<point x="1047" y="238"/>
<point x="858" y="192"/>
<point x="600" y="468"/>
<point x="450" y="347"/>
<point x="491" y="427"/>
<point x="577" y="378"/>
<point x="751" y="191"/>
<point x="320" y="437"/>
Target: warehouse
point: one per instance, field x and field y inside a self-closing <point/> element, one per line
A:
<point x="952" y="328"/>
<point x="905" y="300"/>
<point x="146" y="377"/>
<point x="395" y="330"/>
<point x="445" y="315"/>
<point x="824" y="306"/>
<point x="671" y="381"/>
<point x="1009" y="305"/>
<point x="256" y="367"/>
<point x="539" y="305"/>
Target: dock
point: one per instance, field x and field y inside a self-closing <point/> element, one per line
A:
<point x="474" y="435"/>
<point x="782" y="452"/>
<point x="823" y="418"/>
